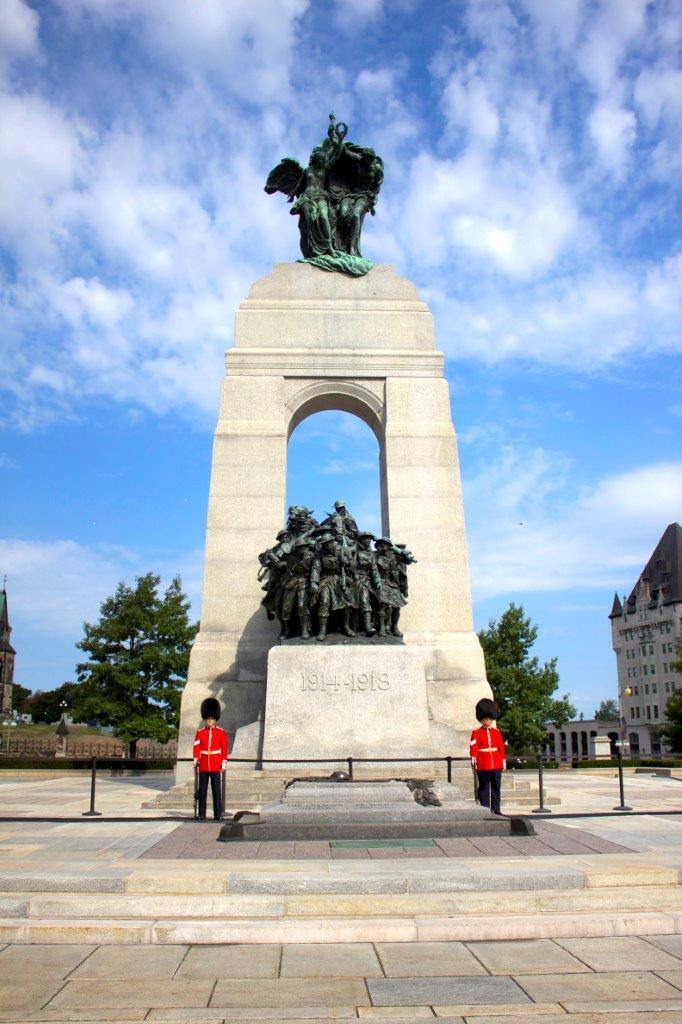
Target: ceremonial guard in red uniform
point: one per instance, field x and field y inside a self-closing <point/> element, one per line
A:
<point x="210" y="757"/>
<point x="488" y="755"/>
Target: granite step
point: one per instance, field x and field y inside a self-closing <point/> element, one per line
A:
<point x="425" y="928"/>
<point x="299" y="904"/>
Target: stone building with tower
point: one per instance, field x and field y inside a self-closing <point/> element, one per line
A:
<point x="646" y="630"/>
<point x="7" y="655"/>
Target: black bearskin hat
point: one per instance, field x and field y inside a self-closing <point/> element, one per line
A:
<point x="486" y="709"/>
<point x="210" y="708"/>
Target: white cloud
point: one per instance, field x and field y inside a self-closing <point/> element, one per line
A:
<point x="354" y="14"/>
<point x="41" y="153"/>
<point x="518" y="222"/>
<point x="531" y="530"/>
<point x="613" y="130"/>
<point x="19" y="36"/>
<point x="57" y="585"/>
<point x="245" y="45"/>
<point x="467" y="106"/>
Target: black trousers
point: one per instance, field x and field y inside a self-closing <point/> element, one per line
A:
<point x="489" y="789"/>
<point x="216" y="793"/>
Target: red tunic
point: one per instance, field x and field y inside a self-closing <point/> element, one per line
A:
<point x="210" y="749"/>
<point x="487" y="750"/>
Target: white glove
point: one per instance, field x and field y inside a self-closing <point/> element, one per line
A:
<point x="224" y="766"/>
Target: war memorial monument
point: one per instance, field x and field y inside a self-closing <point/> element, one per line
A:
<point x="318" y="639"/>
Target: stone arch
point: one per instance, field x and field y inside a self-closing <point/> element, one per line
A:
<point x="340" y="396"/>
<point x="326" y="395"/>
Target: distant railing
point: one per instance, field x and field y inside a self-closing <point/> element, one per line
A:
<point x="75" y="747"/>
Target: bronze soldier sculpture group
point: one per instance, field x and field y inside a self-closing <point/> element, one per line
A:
<point x="333" y="577"/>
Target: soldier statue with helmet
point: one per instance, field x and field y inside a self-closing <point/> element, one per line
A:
<point x="319" y="579"/>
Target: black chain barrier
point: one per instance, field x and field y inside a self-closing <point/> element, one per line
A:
<point x="351" y="762"/>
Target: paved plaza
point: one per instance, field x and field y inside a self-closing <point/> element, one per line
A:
<point x="623" y="980"/>
<point x="120" y="921"/>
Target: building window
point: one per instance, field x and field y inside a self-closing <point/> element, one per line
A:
<point x="646" y="687"/>
<point x="655" y="710"/>
<point x="665" y="666"/>
<point x="651" y="648"/>
<point x="645" y="671"/>
<point x="653" y="688"/>
<point x="667" y="687"/>
<point x="632" y="712"/>
<point x="636" y="691"/>
<point x="638" y="712"/>
<point x="648" y="711"/>
<point x="652" y="670"/>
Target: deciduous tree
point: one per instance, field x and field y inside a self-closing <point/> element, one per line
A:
<point x="46" y="705"/>
<point x="521" y="686"/>
<point x="138" y="659"/>
<point x="607" y="710"/>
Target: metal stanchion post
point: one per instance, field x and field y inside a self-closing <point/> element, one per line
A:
<point x="350" y="767"/>
<point x="449" y="763"/>
<point x="622" y="805"/>
<point x="222" y="790"/>
<point x="541" y="787"/>
<point x="92" y="813"/>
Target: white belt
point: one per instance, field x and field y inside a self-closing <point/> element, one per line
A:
<point x="209" y="752"/>
<point x="487" y="750"/>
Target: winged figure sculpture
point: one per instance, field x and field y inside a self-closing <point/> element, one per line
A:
<point x="331" y="197"/>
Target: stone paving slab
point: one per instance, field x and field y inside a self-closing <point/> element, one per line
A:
<point x="235" y="961"/>
<point x="289" y="992"/>
<point x="527" y="956"/>
<point x="672" y="977"/>
<point x="23" y="961"/>
<point x="260" y="1013"/>
<point x="614" y="954"/>
<point x="120" y="994"/>
<point x="330" y="960"/>
<point x="440" y="990"/>
<point x="670" y="943"/>
<point x="580" y="1018"/>
<point x="424" y="959"/>
<point x="600" y="987"/>
<point x="115" y="963"/>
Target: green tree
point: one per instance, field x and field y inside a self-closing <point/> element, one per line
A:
<point x="607" y="710"/>
<point x="138" y="659"/>
<point x="673" y="730"/>
<point x="46" y="705"/>
<point x="522" y="687"/>
<point x="20" y="694"/>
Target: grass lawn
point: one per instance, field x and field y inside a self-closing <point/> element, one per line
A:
<point x="75" y="731"/>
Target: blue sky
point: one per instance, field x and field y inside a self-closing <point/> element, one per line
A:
<point x="533" y="153"/>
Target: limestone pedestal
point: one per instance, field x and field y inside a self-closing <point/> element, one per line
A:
<point x="306" y="341"/>
<point x="346" y="701"/>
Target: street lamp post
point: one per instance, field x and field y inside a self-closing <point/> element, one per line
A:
<point x="626" y="692"/>
<point x="8" y="723"/>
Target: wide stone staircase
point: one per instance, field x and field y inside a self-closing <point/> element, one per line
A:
<point x="153" y="901"/>
<point x="247" y="789"/>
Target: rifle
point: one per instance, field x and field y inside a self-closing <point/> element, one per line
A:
<point x="196" y="791"/>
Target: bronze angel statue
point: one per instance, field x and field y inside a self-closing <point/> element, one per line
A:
<point x="331" y="197"/>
